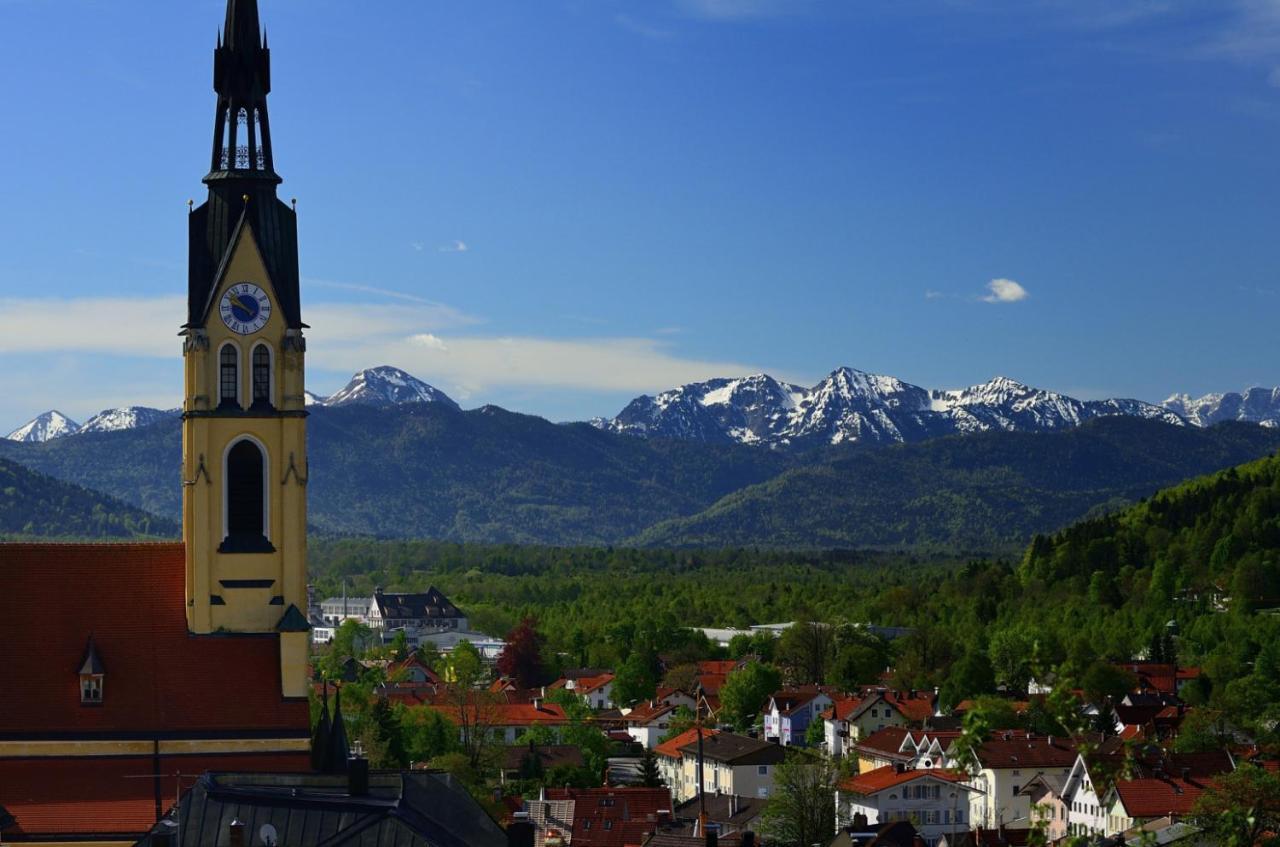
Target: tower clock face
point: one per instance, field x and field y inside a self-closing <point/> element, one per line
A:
<point x="245" y="308"/>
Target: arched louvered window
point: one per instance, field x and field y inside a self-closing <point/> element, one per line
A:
<point x="261" y="376"/>
<point x="246" y="498"/>
<point x="229" y="376"/>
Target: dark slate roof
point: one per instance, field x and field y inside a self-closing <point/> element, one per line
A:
<point x="293" y="621"/>
<point x="410" y="809"/>
<point x="896" y="834"/>
<point x="736" y="750"/>
<point x="737" y="812"/>
<point x="431" y="604"/>
<point x="217" y="226"/>
<point x="92" y="663"/>
<point x="551" y="755"/>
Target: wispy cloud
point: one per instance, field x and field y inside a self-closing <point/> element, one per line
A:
<point x="454" y="247"/>
<point x="1004" y="291"/>
<point x="730" y="10"/>
<point x="431" y="340"/>
<point x="640" y="27"/>
<point x="367" y="289"/>
<point x="417" y="246"/>
<point x="930" y="294"/>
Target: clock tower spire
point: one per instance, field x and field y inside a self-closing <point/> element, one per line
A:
<point x="244" y="415"/>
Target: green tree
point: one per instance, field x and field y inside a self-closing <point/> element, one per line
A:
<point x="636" y="679"/>
<point x="802" y="806"/>
<point x="1241" y="807"/>
<point x="805" y="650"/>
<point x="815" y="733"/>
<point x="1104" y="683"/>
<point x="970" y="677"/>
<point x="682" y="720"/>
<point x="650" y="777"/>
<point x="745" y="692"/>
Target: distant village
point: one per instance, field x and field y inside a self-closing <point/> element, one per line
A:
<point x="678" y="771"/>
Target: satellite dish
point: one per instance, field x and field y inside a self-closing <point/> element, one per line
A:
<point x="268" y="835"/>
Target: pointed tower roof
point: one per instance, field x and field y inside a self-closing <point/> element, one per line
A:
<point x="91" y="664"/>
<point x="320" y="735"/>
<point x="242" y="27"/>
<point x="338" y="750"/>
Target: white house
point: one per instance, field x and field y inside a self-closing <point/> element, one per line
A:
<point x="789" y="713"/>
<point x="854" y="718"/>
<point x="1002" y="766"/>
<point x="430" y="610"/>
<point x="732" y="764"/>
<point x="936" y="801"/>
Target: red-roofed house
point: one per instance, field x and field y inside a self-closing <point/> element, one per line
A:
<point x="649" y="721"/>
<point x="670" y="757"/>
<point x="852" y="718"/>
<point x="507" y="722"/>
<point x="598" y="817"/>
<point x="936" y="801"/>
<point x="1132" y="802"/>
<point x="1004" y="763"/>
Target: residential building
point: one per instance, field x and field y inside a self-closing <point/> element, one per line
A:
<point x="596" y="691"/>
<point x="1003" y="765"/>
<point x="853" y="718"/>
<point x="729" y="814"/>
<point x="649" y="721"/>
<point x="789" y="712"/>
<point x="1133" y="803"/>
<point x="920" y="749"/>
<point x="537" y="760"/>
<point x="335" y="610"/>
<point x="671" y="761"/>
<point x="1044" y="792"/>
<point x="935" y="801"/>
<point x="503" y="722"/>
<point x="430" y="610"/>
<point x="732" y="764"/>
<point x="597" y="817"/>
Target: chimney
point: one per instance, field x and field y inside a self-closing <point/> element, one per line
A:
<point x="1186" y="774"/>
<point x="899" y="767"/>
<point x="163" y="837"/>
<point x="237" y="833"/>
<point x="748" y="838"/>
<point x="713" y="837"/>
<point x="520" y="833"/>
<point x="357" y="777"/>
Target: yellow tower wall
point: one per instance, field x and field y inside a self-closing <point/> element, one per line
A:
<point x="254" y="589"/>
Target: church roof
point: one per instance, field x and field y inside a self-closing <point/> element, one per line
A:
<point x="216" y="227"/>
<point x="115" y="797"/>
<point x="160" y="679"/>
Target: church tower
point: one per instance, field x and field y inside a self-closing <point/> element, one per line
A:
<point x="244" y="416"/>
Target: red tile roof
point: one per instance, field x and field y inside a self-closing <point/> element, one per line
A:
<point x="871" y="782"/>
<point x="591" y="683"/>
<point x="1153" y="798"/>
<point x="158" y="677"/>
<point x="507" y="714"/>
<point x="884" y="742"/>
<point x="109" y="796"/>
<point x="613" y="817"/>
<point x="643" y="713"/>
<point x="718" y="667"/>
<point x="1017" y="750"/>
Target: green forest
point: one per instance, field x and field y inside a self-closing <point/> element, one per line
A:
<point x="33" y="505"/>
<point x="1190" y="574"/>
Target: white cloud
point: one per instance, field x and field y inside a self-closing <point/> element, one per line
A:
<point x="641" y="28"/>
<point x="79" y="354"/>
<point x="1004" y="291"/>
<point x="454" y="247"/>
<point x="728" y="10"/>
<point x="930" y="294"/>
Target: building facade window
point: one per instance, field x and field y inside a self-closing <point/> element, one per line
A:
<point x="245" y="506"/>
<point x="91" y="689"/>
<point x="261" y="376"/>
<point x="229" y="376"/>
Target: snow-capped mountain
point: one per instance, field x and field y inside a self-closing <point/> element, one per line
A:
<point x="1256" y="405"/>
<point x="50" y="425"/>
<point x="129" y="417"/>
<point x="386" y="386"/>
<point x="854" y="406"/>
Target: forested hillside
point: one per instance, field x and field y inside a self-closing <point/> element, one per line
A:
<point x="33" y="505"/>
<point x="985" y="492"/>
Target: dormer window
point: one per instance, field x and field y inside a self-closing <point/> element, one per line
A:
<point x="92" y="673"/>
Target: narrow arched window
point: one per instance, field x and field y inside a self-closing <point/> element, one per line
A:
<point x="229" y="376"/>
<point x="246" y="497"/>
<point x="261" y="376"/>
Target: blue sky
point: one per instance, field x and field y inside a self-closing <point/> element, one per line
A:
<point x="557" y="205"/>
